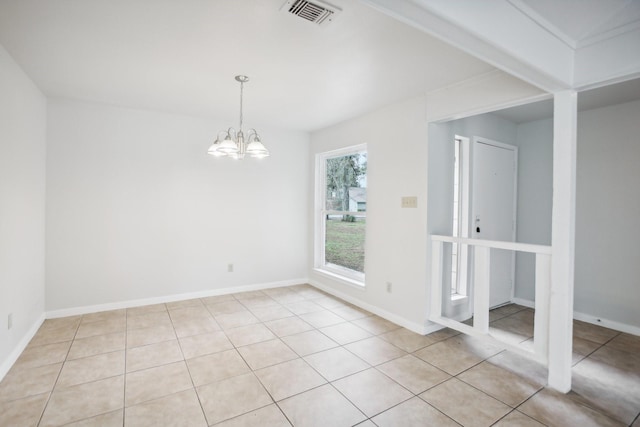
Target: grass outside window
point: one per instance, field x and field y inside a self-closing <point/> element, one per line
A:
<point x="344" y="243"/>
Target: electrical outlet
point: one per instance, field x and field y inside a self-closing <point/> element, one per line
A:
<point x="389" y="287"/>
<point x="230" y="267"/>
<point x="409" y="202"/>
<point x="10" y="321"/>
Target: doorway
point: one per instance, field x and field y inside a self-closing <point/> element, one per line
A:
<point x="494" y="203"/>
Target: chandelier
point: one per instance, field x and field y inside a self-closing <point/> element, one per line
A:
<point x="233" y="143"/>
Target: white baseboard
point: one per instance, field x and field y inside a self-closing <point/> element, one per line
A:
<point x="611" y="324"/>
<point x="431" y="327"/>
<point x="589" y="318"/>
<point x="74" y="311"/>
<point x="17" y="351"/>
<point x="398" y="320"/>
<point x="523" y="302"/>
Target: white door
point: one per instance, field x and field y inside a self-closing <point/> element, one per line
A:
<point x="494" y="204"/>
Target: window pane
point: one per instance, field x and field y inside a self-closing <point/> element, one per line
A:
<point x="344" y="243"/>
<point x="346" y="180"/>
<point x="456" y="215"/>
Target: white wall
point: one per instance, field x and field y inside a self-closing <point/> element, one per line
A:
<point x="441" y="156"/>
<point x="396" y="238"/>
<point x="137" y="209"/>
<point x="22" y="208"/>
<point x="535" y="190"/>
<point x="607" y="277"/>
<point x="440" y="206"/>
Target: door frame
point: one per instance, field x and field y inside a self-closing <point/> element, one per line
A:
<point x="486" y="141"/>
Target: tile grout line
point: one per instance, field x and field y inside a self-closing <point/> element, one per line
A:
<point x="371" y="366"/>
<point x="258" y="378"/>
<point x="314" y="328"/>
<point x="413" y="395"/>
<point x="59" y="373"/>
<point x="600" y="345"/>
<point x="253" y="371"/>
<point x="195" y="390"/>
<point x="528" y="399"/>
<point x="375" y="367"/>
<point x="126" y="352"/>
<point x="494" y="397"/>
<point x="507" y="414"/>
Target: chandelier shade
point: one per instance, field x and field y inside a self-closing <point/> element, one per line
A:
<point x="233" y="143"/>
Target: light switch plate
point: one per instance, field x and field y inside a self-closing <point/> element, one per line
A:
<point x="409" y="202"/>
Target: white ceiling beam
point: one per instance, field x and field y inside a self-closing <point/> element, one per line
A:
<point x="514" y="42"/>
<point x="609" y="61"/>
<point x="479" y="95"/>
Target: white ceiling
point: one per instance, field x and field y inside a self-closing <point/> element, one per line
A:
<point x="181" y="56"/>
<point x="582" y="22"/>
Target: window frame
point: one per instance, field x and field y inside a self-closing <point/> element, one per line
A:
<point x="460" y="289"/>
<point x="343" y="274"/>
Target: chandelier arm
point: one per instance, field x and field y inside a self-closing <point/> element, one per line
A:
<point x="224" y="133"/>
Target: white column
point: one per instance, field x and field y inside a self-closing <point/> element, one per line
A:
<point x="562" y="240"/>
<point x="481" y="283"/>
<point x="436" y="279"/>
<point x="541" y="320"/>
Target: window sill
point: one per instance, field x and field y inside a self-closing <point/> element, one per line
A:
<point x="341" y="279"/>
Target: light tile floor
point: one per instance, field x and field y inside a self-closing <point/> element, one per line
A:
<point x="297" y="356"/>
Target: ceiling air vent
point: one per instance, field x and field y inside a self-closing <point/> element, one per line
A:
<point x="318" y="12"/>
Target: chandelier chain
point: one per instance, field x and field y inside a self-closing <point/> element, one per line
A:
<point x="241" y="93"/>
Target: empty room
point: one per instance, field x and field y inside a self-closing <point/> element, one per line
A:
<point x="319" y="213"/>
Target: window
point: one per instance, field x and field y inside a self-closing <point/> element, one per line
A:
<point x="341" y="209"/>
<point x="455" y="260"/>
<point x="460" y="227"/>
